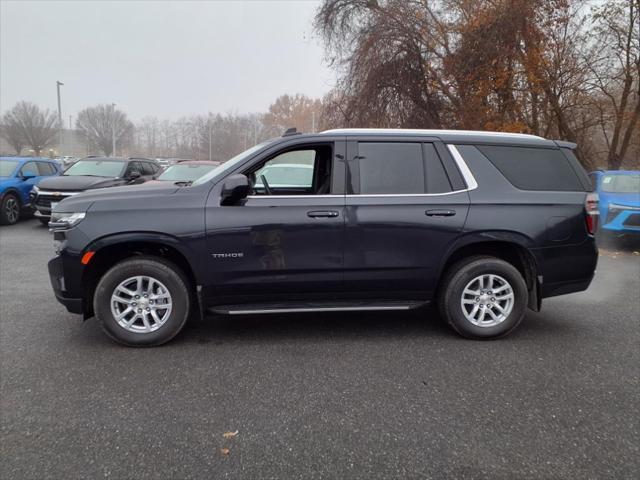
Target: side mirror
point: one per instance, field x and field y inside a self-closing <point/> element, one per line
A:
<point x="26" y="176"/>
<point x="133" y="176"/>
<point x="234" y="189"/>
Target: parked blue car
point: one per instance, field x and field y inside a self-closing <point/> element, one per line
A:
<point x="18" y="175"/>
<point x="619" y="192"/>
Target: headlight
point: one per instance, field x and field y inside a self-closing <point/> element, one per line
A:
<point x="35" y="189"/>
<point x="64" y="221"/>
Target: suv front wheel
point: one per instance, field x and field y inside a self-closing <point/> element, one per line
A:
<point x="142" y="301"/>
<point x="483" y="297"/>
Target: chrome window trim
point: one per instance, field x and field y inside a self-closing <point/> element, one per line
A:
<point x="356" y="195"/>
<point x="295" y="196"/>
<point x="463" y="167"/>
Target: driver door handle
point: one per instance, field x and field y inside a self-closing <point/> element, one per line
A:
<point x="440" y="213"/>
<point x="322" y="214"/>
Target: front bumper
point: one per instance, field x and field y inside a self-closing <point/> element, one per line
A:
<point x="622" y="219"/>
<point x="57" y="278"/>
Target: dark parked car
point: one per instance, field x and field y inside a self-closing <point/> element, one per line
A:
<point x="483" y="224"/>
<point x="88" y="174"/>
<point x="18" y="175"/>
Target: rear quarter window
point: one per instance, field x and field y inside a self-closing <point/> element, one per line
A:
<point x="530" y="168"/>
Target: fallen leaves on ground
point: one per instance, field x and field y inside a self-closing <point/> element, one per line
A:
<point x="230" y="434"/>
<point x="225" y="451"/>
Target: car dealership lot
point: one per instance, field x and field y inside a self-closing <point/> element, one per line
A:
<point x="319" y="396"/>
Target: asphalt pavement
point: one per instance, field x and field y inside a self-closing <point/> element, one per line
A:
<point x="383" y="395"/>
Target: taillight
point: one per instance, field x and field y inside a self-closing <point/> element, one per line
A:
<point x="591" y="209"/>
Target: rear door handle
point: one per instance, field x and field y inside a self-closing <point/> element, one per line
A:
<point x="322" y="214"/>
<point x="440" y="213"/>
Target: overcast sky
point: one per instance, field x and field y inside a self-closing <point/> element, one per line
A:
<point x="162" y="58"/>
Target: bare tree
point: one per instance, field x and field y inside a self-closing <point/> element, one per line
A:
<point x="26" y="124"/>
<point x="293" y="111"/>
<point x="548" y="67"/>
<point x="12" y="133"/>
<point x="101" y="123"/>
<point x="616" y="74"/>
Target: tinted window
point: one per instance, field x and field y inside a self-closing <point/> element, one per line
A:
<point x="577" y="167"/>
<point x="30" y="169"/>
<point x="533" y="168"/>
<point x="148" y="169"/>
<point x="391" y="168"/>
<point x="134" y="167"/>
<point x="46" y="168"/>
<point x="437" y="180"/>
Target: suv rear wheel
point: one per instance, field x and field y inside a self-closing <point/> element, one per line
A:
<point x="142" y="301"/>
<point x="483" y="297"/>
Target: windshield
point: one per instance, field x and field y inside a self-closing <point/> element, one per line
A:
<point x="7" y="167"/>
<point x="230" y="164"/>
<point x="185" y="172"/>
<point x="621" y="183"/>
<point x="96" y="168"/>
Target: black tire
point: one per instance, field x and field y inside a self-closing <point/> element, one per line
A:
<point x="168" y="274"/>
<point x="44" y="221"/>
<point x="10" y="209"/>
<point x="458" y="277"/>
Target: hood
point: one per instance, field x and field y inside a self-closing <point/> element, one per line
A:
<point x="78" y="182"/>
<point x="115" y="195"/>
<point x="158" y="182"/>
<point x="627" y="199"/>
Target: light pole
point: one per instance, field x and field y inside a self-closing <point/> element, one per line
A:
<point x="209" y="122"/>
<point x="113" y="129"/>
<point x="60" y="124"/>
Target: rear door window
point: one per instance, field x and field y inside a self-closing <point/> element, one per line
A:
<point x="148" y="169"/>
<point x="437" y="179"/>
<point x="391" y="168"/>
<point x="46" y="169"/>
<point x="400" y="168"/>
<point x="30" y="169"/>
<point x="134" y="167"/>
<point x="530" y="168"/>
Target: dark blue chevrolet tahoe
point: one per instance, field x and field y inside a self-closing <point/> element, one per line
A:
<point x="483" y="224"/>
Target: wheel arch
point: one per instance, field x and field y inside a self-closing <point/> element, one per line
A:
<point x="108" y="251"/>
<point x="15" y="191"/>
<point x="510" y="247"/>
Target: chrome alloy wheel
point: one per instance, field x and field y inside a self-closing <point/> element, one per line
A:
<point x="141" y="304"/>
<point x="12" y="210"/>
<point x="487" y="300"/>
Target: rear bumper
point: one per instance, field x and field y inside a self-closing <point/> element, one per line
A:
<point x="566" y="269"/>
<point x="57" y="278"/>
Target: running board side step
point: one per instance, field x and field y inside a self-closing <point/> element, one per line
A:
<point x="312" y="307"/>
